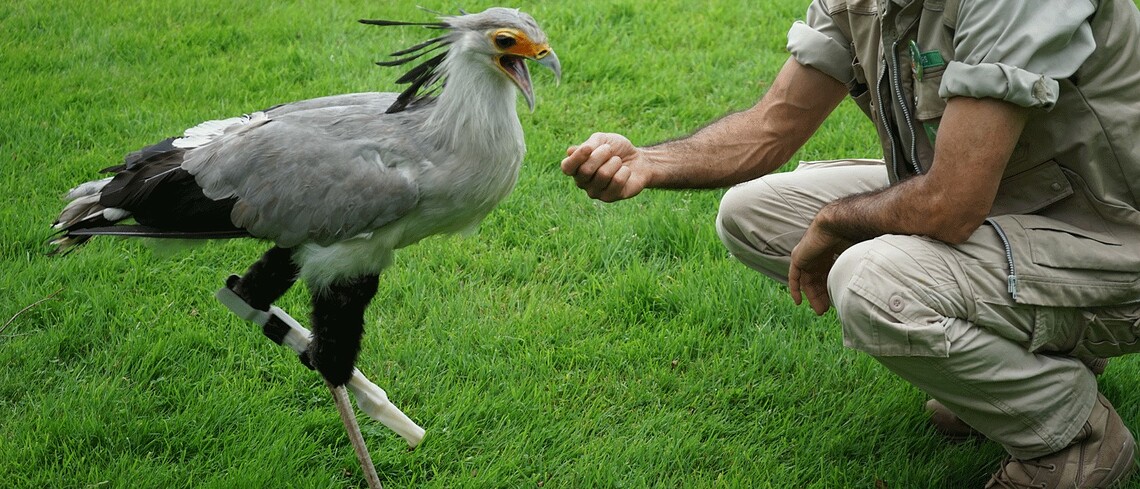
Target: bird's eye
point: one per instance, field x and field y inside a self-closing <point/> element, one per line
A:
<point x="504" y="41"/>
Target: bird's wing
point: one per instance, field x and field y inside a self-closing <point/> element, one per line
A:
<point x="379" y="100"/>
<point x="322" y="170"/>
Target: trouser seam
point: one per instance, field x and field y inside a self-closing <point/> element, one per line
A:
<point x="791" y="206"/>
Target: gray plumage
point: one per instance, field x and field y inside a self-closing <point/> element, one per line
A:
<point x="317" y="174"/>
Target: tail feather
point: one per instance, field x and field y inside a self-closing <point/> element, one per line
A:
<point x="151" y="188"/>
<point x="79" y="210"/>
<point x="140" y="231"/>
<point x="83" y="210"/>
<point x="86" y="189"/>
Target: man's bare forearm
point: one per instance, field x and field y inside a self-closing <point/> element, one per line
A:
<point x="751" y="143"/>
<point x="952" y="200"/>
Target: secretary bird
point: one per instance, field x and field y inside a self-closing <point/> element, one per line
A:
<point x="340" y="182"/>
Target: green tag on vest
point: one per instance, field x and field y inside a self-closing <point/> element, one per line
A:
<point x="921" y="61"/>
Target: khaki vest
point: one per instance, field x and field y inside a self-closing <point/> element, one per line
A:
<point x="1067" y="204"/>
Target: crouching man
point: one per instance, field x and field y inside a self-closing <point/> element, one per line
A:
<point x="993" y="255"/>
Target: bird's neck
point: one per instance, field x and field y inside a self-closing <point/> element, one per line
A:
<point x="475" y="112"/>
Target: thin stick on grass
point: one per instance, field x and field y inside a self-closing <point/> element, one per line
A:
<point x="28" y="308"/>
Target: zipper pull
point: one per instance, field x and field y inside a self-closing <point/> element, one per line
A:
<point x="1012" y="280"/>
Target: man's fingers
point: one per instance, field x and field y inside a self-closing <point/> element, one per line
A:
<point x="602" y="184"/>
<point x="598" y="157"/>
<point x="815" y="288"/>
<point x="599" y="166"/>
<point x="633" y="184"/>
<point x="819" y="300"/>
<point x="588" y="170"/>
<point x="619" y="180"/>
<point x="794" y="284"/>
<point x="607" y="171"/>
<point x="807" y="286"/>
<point x="576" y="156"/>
<point x="824" y="305"/>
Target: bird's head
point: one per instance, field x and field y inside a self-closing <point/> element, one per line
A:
<point x="509" y="38"/>
<point x="505" y="37"/>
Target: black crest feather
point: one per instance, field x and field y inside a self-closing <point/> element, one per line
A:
<point x="431" y="25"/>
<point x="424" y="79"/>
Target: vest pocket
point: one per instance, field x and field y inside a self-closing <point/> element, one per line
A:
<point x="1030" y="190"/>
<point x="1062" y="265"/>
<point x="928" y="105"/>
<point x="859" y="90"/>
<point x="928" y="109"/>
<point x="1057" y="244"/>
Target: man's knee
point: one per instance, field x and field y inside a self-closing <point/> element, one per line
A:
<point x="756" y="215"/>
<point x="893" y="295"/>
<point x="750" y="225"/>
<point x="846" y="282"/>
<point x="738" y="212"/>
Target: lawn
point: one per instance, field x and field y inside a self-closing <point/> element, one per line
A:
<point x="569" y="343"/>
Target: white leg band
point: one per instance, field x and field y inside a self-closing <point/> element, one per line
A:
<point x="370" y="397"/>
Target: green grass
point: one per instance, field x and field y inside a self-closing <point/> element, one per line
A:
<point x="569" y="344"/>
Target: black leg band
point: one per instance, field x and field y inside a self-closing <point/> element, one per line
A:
<point x="275" y="329"/>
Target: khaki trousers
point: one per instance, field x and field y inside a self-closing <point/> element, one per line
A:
<point x="937" y="315"/>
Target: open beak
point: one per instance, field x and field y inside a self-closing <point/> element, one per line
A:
<point x="515" y="67"/>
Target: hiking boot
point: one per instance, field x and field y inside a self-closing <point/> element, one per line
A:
<point x="949" y="425"/>
<point x="1099" y="457"/>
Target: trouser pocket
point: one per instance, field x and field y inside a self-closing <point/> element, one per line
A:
<point x="894" y="296"/>
<point x="1109" y="332"/>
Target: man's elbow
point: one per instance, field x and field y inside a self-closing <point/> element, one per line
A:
<point x="955" y="227"/>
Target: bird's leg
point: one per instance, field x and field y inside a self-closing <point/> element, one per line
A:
<point x="267" y="279"/>
<point x="338" y="323"/>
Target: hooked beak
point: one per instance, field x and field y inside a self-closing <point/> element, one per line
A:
<point x="515" y="67"/>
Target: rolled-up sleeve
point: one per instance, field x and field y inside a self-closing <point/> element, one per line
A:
<point x="819" y="43"/>
<point x="1016" y="51"/>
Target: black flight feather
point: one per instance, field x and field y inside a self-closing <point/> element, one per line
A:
<point x="400" y="61"/>
<point x="421" y="45"/>
<point x="154" y="188"/>
<point x="419" y="77"/>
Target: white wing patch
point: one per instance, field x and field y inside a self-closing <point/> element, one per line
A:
<point x="208" y="131"/>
